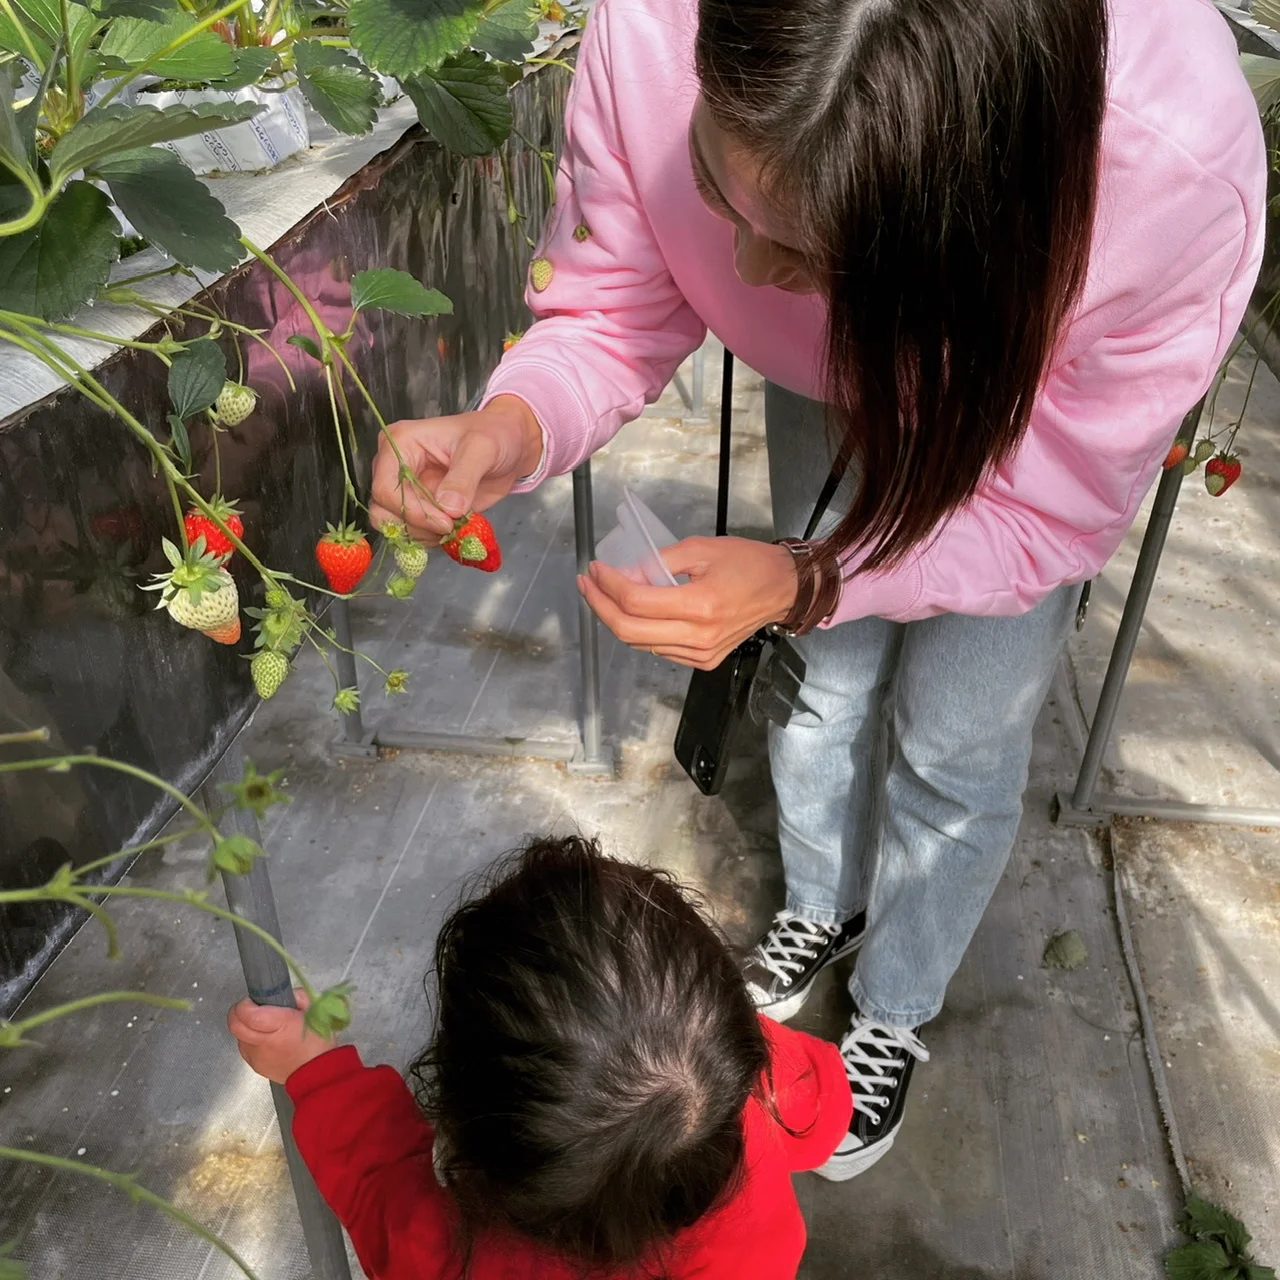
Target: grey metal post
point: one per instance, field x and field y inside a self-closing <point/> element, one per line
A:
<point x="268" y="981"/>
<point x="354" y="739"/>
<point x="1135" y="607"/>
<point x="584" y="531"/>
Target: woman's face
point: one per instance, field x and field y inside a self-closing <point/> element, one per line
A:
<point x="728" y="179"/>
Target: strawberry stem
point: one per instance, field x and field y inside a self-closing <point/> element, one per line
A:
<point x="348" y="489"/>
<point x="334" y="348"/>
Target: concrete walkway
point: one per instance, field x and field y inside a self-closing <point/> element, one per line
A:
<point x="1033" y="1147"/>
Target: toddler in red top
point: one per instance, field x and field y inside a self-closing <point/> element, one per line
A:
<point x="600" y="1098"/>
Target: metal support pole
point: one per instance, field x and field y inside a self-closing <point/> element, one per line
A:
<point x="1135" y="607"/>
<point x="268" y="982"/>
<point x="355" y="740"/>
<point x="593" y="759"/>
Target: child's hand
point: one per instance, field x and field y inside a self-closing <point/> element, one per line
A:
<point x="275" y="1042"/>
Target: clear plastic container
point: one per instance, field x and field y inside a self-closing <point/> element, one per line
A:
<point x="634" y="547"/>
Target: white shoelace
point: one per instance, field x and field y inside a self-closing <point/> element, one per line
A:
<point x="792" y="942"/>
<point x="870" y="1073"/>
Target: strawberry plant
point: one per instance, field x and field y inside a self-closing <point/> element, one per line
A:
<point x="328" y="1011"/>
<point x="1217" y="1247"/>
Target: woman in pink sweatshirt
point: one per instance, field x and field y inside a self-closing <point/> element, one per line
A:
<point x="1005" y="243"/>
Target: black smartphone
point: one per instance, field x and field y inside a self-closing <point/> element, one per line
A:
<point x="714" y="707"/>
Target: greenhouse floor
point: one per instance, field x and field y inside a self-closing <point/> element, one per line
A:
<point x="1033" y="1147"/>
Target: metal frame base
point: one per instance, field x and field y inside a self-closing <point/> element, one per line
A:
<point x="1102" y="808"/>
<point x="397" y="739"/>
<point x="604" y="767"/>
<point x="569" y="754"/>
<point x="365" y="747"/>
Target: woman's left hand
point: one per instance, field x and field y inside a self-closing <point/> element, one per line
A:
<point x="735" y="586"/>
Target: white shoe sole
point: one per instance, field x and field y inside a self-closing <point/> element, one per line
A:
<point x="786" y="1009"/>
<point x="842" y="1168"/>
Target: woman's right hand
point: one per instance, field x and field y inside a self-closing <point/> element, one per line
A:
<point x="466" y="462"/>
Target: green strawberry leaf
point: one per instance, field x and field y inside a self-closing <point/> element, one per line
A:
<point x="15" y="149"/>
<point x="507" y="33"/>
<point x="151" y="10"/>
<point x="330" y="1011"/>
<point x="137" y="41"/>
<point x="172" y="208"/>
<point x="29" y="117"/>
<point x="1202" y="1220"/>
<point x="57" y="266"/>
<point x="463" y="105"/>
<point x="42" y="22"/>
<point x="11" y="1268"/>
<point x="1267" y="12"/>
<point x="251" y="65"/>
<point x="1202" y="1260"/>
<point x="196" y="376"/>
<point x="236" y="854"/>
<point x="1263" y="74"/>
<point x="388" y="289"/>
<point x="401" y="37"/>
<point x="338" y="87"/>
<point x="303" y="343"/>
<point x="1255" y="1272"/>
<point x="180" y="442"/>
<point x="111" y="129"/>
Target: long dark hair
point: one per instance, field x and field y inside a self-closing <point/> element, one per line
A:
<point x="940" y="161"/>
<point x="595" y="1047"/>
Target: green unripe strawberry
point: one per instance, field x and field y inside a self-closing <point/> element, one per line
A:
<point x="411" y="559"/>
<point x="399" y="586"/>
<point x="268" y="669"/>
<point x="235" y="403"/>
<point x="540" y="273"/>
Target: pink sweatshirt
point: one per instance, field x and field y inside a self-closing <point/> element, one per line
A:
<point x="1176" y="251"/>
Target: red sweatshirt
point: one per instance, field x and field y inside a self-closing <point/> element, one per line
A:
<point x="369" y="1149"/>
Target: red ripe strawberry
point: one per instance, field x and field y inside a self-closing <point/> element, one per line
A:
<point x="199" y="525"/>
<point x="1178" y="453"/>
<point x="473" y="542"/>
<point x="343" y="555"/>
<point x="1221" y="473"/>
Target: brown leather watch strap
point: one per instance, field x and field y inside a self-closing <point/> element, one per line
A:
<point x="805" y="583"/>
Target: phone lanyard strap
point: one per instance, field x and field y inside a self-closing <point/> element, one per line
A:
<point x="818" y="591"/>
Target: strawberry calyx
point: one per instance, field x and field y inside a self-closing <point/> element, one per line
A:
<point x="343" y="535"/>
<point x="194" y="572"/>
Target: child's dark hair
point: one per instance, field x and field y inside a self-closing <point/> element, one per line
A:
<point x="594" y="1049"/>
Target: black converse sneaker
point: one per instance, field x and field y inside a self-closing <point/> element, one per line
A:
<point x="878" y="1061"/>
<point x="782" y="966"/>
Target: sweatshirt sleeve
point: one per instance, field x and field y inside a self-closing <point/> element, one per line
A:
<point x="612" y="326"/>
<point x="370" y="1151"/>
<point x="811" y="1095"/>
<point x="1172" y="274"/>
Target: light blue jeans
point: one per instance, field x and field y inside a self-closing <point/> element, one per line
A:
<point x="900" y="780"/>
